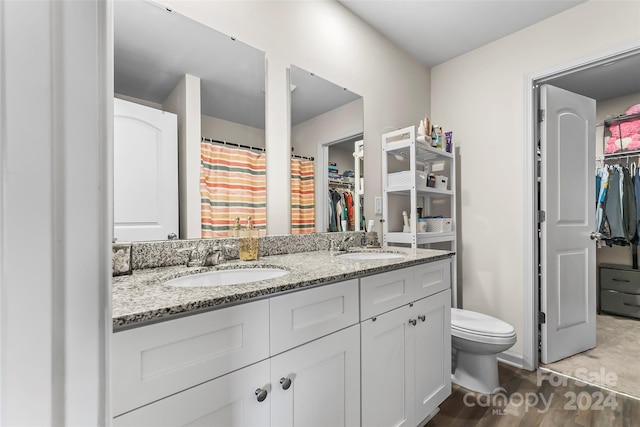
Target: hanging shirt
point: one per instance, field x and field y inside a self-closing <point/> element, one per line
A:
<point x="613" y="207"/>
<point x="629" y="208"/>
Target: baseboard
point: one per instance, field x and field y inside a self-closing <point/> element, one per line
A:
<point x="513" y="359"/>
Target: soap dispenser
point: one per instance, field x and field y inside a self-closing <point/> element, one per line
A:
<point x="235" y="231"/>
<point x="249" y="242"/>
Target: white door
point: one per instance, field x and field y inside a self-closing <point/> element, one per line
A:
<point x="432" y="352"/>
<point x="238" y="399"/>
<point x="145" y="177"/>
<point x="387" y="369"/>
<point x="318" y="384"/>
<point x="567" y="255"/>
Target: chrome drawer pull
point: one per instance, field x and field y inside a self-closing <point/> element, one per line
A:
<point x="261" y="394"/>
<point x="621" y="280"/>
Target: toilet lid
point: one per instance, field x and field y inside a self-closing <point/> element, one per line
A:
<point x="478" y="323"/>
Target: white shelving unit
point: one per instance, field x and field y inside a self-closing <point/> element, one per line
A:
<point x="413" y="193"/>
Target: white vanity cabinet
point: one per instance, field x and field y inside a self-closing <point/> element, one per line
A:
<point x="406" y="351"/>
<point x="367" y="352"/>
<point x="289" y="360"/>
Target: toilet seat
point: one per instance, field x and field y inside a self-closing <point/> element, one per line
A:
<point x="475" y="326"/>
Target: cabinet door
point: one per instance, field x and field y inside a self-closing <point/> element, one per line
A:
<point x="432" y="368"/>
<point x="387" y="362"/>
<point x="324" y="387"/>
<point x="228" y="401"/>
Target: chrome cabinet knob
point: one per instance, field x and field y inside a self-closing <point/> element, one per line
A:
<point x="413" y="322"/>
<point x="286" y="383"/>
<point x="261" y="394"/>
<point x="422" y="317"/>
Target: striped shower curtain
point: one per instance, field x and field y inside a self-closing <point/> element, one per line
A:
<point x="232" y="184"/>
<point x="302" y="197"/>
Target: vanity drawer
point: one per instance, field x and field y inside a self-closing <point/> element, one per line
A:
<point x="622" y="280"/>
<point x="154" y="361"/>
<point x="384" y="292"/>
<point x="431" y="278"/>
<point x="303" y="316"/>
<point x="620" y="303"/>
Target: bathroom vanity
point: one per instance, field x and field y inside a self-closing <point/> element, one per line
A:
<point x="335" y="342"/>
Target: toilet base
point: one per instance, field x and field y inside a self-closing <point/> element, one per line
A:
<point x="476" y="372"/>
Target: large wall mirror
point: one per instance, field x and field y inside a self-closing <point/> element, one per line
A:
<point x="189" y="120"/>
<point x="327" y="122"/>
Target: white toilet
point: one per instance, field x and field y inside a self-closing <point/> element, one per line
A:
<point x="477" y="339"/>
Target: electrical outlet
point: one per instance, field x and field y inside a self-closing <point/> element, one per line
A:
<point x="378" y="205"/>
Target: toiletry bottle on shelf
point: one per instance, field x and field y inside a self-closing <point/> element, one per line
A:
<point x="249" y="242"/>
<point x="421" y="129"/>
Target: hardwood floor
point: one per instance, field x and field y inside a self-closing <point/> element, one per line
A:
<point x="538" y="399"/>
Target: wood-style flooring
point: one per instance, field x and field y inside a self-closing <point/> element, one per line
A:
<point x="538" y="399"/>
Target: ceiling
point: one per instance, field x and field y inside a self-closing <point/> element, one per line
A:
<point x="154" y="48"/>
<point x="149" y="59"/>
<point x="312" y="95"/>
<point x="434" y="31"/>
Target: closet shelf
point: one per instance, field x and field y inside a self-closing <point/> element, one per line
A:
<point x="621" y="119"/>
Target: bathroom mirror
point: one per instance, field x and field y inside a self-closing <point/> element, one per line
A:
<point x="215" y="85"/>
<point x="327" y="122"/>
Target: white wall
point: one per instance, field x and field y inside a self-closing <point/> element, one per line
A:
<point x="184" y="101"/>
<point x="55" y="212"/>
<point x="480" y="96"/>
<point x="224" y="130"/>
<point x="341" y="122"/>
<point x="325" y="38"/>
<point x="343" y="157"/>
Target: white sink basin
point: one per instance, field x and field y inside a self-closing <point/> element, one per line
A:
<point x="371" y="255"/>
<point x="226" y="277"/>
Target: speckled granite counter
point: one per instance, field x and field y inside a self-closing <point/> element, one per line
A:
<point x="142" y="298"/>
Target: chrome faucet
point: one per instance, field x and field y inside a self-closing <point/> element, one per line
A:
<point x="342" y="245"/>
<point x="346" y="242"/>
<point x="201" y="255"/>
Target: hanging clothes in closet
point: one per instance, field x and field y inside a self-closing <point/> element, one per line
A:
<point x="617" y="204"/>
<point x="341" y="209"/>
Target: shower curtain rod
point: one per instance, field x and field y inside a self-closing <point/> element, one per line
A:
<point x="249" y="147"/>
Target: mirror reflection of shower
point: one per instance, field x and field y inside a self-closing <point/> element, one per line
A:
<point x="327" y="121"/>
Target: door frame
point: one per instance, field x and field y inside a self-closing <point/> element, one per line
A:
<point x="530" y="250"/>
<point x="322" y="179"/>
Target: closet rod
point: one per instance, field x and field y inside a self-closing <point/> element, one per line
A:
<point x="619" y="155"/>
<point x="248" y="147"/>
<point x="341" y="184"/>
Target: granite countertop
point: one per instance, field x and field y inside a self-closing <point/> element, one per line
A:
<point x="142" y="298"/>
